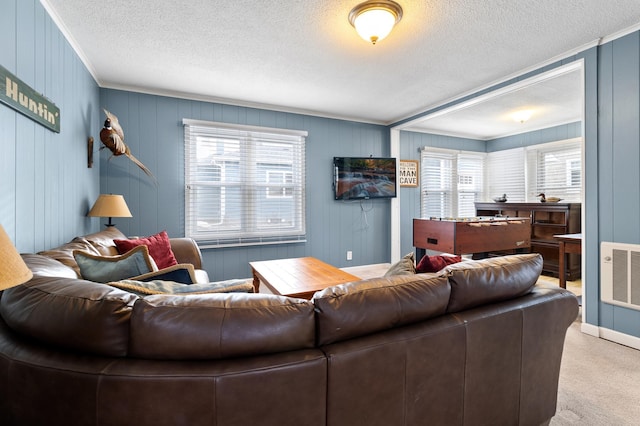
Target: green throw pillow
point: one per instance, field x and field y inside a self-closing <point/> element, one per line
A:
<point x="102" y="269"/>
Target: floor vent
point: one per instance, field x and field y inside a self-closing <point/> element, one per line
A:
<point x="620" y="270"/>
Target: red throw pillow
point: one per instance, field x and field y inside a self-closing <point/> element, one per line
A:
<point x="159" y="248"/>
<point x="435" y="263"/>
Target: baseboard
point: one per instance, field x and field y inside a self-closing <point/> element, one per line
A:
<point x="371" y="266"/>
<point x="611" y="335"/>
<point x="591" y="330"/>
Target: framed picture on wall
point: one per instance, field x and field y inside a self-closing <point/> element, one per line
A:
<point x="408" y="173"/>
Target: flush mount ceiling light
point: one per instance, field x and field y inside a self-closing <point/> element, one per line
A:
<point x="522" y="115"/>
<point x="374" y="20"/>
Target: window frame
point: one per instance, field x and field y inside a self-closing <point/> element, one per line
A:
<point x="565" y="186"/>
<point x="452" y="190"/>
<point x="528" y="160"/>
<point x="246" y="189"/>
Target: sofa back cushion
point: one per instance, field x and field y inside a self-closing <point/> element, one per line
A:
<point x="492" y="280"/>
<point x="64" y="253"/>
<point x="68" y="312"/>
<point x="368" y="306"/>
<point x="46" y="266"/>
<point x="214" y="326"/>
<point x="103" y="240"/>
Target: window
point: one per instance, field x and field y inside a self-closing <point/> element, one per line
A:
<point x="278" y="179"/>
<point x="451" y="182"/>
<point x="505" y="175"/>
<point x="244" y="184"/>
<point x="574" y="173"/>
<point x="555" y="169"/>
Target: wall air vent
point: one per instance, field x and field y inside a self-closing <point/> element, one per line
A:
<point x="620" y="272"/>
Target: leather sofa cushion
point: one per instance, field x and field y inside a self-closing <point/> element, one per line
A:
<point x="69" y="313"/>
<point x="46" y="266"/>
<point x="368" y="306"/>
<point x="187" y="251"/>
<point x="216" y="326"/>
<point x="64" y="253"/>
<point x="103" y="240"/>
<point x="492" y="280"/>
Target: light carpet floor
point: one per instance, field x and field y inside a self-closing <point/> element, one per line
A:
<point x="599" y="382"/>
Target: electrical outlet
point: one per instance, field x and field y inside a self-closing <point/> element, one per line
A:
<point x="349" y="255"/>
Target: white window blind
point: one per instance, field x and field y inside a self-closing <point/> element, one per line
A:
<point x="555" y="169"/>
<point x="451" y="182"/>
<point x="470" y="182"/>
<point x="245" y="185"/>
<point x="506" y="175"/>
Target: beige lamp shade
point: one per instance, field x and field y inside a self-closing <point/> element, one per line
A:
<point x="13" y="270"/>
<point x="110" y="205"/>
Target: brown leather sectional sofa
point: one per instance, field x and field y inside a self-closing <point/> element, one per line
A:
<point x="477" y="344"/>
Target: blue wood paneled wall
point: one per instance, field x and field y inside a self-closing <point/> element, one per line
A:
<point x="153" y="129"/>
<point x="618" y="164"/>
<point x="45" y="186"/>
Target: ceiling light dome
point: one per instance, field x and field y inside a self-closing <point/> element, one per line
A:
<point x="522" y="115"/>
<point x="374" y="20"/>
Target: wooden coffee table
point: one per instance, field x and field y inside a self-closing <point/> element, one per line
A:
<point x="298" y="277"/>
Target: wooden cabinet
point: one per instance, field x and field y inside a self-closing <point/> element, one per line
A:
<point x="547" y="220"/>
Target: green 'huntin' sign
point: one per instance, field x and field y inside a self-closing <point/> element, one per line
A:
<point x="19" y="96"/>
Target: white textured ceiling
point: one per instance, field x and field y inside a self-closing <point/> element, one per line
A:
<point x="552" y="98"/>
<point x="304" y="56"/>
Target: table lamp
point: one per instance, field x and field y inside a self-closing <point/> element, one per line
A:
<point x="13" y="270"/>
<point x="110" y="205"/>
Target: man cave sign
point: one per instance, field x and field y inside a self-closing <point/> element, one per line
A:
<point x="408" y="173"/>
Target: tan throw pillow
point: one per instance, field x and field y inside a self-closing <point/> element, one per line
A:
<point x="405" y="266"/>
<point x="170" y="287"/>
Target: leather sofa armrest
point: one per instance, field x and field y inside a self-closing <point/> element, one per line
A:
<point x="186" y="250"/>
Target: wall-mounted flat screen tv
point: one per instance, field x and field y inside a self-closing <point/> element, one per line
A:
<point x="363" y="178"/>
